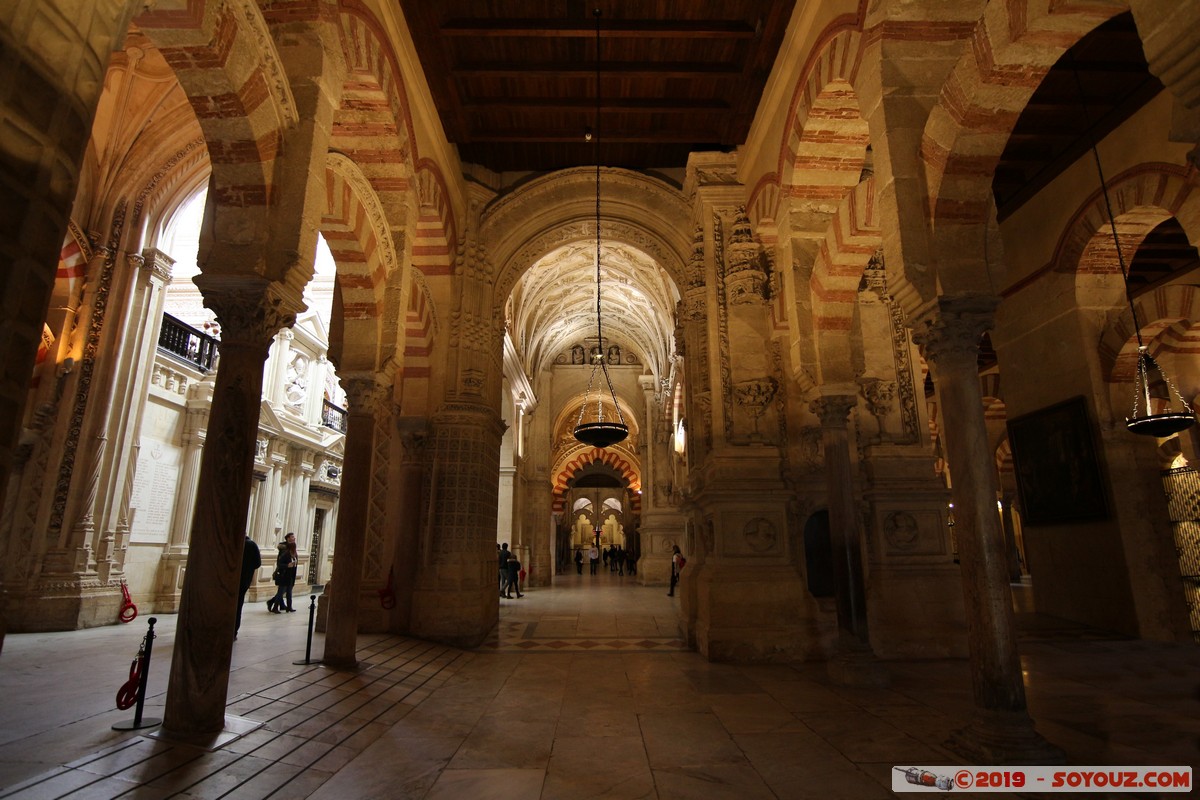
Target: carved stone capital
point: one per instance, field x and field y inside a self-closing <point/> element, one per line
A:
<point x="413" y="435"/>
<point x="834" y="410"/>
<point x="158" y="263"/>
<point x="249" y="309"/>
<point x="365" y="395"/>
<point x="949" y="333"/>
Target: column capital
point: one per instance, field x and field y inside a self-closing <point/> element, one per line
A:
<point x="414" y="433"/>
<point x="250" y="309"/>
<point x="834" y="409"/>
<point x="950" y="330"/>
<point x="365" y="394"/>
<point x="157" y="263"/>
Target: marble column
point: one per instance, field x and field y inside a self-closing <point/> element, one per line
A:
<point x="341" y="637"/>
<point x="1001" y="731"/>
<point x="854" y="662"/>
<point x="249" y="310"/>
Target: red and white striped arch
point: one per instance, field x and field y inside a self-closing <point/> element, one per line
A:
<point x="374" y="128"/>
<point x="1142" y="196"/>
<point x="357" y="232"/>
<point x="72" y="267"/>
<point x="419" y="333"/>
<point x="851" y="238"/>
<point x="1170" y="326"/>
<point x="579" y="460"/>
<point x="1013" y="46"/>
<point x="225" y="59"/>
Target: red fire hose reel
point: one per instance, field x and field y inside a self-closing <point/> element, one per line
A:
<point x="128" y="612"/>
<point x="127" y="694"/>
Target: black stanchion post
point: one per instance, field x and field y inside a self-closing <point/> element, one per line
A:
<point x="137" y="722"/>
<point x="312" y="616"/>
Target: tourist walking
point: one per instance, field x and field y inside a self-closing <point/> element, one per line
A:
<point x="285" y="575"/>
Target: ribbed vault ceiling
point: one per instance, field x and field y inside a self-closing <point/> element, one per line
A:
<point x="554" y="305"/>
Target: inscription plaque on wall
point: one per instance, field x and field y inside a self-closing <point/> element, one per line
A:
<point x="154" y="489"/>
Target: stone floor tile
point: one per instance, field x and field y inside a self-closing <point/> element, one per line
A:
<point x="488" y="784"/>
<point x="711" y="782"/>
<point x="587" y="712"/>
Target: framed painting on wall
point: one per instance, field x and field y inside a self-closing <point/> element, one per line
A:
<point x="1054" y="457"/>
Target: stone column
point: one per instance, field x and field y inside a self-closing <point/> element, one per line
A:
<point x="413" y="437"/>
<point x="543" y="534"/>
<point x="854" y="662"/>
<point x="249" y="310"/>
<point x="1001" y="731"/>
<point x="455" y="599"/>
<point x="174" y="559"/>
<point x="341" y="638"/>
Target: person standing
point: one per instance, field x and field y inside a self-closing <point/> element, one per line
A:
<point x="514" y="577"/>
<point x="593" y="558"/>
<point x="285" y="575"/>
<point x="251" y="561"/>
<point x="503" y="555"/>
<point x="677" y="563"/>
<point x="579" y="562"/>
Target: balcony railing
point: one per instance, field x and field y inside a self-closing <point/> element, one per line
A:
<point x="185" y="342"/>
<point x="333" y="416"/>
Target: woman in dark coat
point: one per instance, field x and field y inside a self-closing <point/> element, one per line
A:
<point x="285" y="575"/>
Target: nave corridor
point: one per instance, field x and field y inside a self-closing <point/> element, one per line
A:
<point x="586" y="690"/>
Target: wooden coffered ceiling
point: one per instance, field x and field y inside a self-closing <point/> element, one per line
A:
<point x="514" y="80"/>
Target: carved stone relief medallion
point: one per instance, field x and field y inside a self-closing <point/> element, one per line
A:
<point x="761" y="536"/>
<point x="901" y="530"/>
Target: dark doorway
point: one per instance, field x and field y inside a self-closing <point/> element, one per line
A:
<point x="818" y="555"/>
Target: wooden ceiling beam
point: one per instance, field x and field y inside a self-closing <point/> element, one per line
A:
<point x="650" y="105"/>
<point x="622" y="137"/>
<point x="629" y="69"/>
<point x="609" y="29"/>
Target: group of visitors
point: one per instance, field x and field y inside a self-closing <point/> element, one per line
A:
<point x="616" y="559"/>
<point x="512" y="574"/>
<point x="284" y="576"/>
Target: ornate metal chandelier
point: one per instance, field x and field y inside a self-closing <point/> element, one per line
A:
<point x="600" y="429"/>
<point x="1142" y="420"/>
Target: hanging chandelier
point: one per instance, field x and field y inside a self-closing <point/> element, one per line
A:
<point x="1142" y="420"/>
<point x="600" y="429"/>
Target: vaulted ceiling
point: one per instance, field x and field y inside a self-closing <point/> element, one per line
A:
<point x="554" y="305"/>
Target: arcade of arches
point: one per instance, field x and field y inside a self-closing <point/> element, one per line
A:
<point x="820" y="339"/>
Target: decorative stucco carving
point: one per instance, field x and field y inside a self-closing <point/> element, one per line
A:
<point x="269" y="61"/>
<point x="745" y="278"/>
<point x="753" y="397"/>
<point x="87" y="367"/>
<point x="874" y="281"/>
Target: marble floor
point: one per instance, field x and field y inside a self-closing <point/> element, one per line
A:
<point x="586" y="690"/>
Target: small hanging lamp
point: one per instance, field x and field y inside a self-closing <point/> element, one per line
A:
<point x="600" y="429"/>
<point x="1141" y="421"/>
